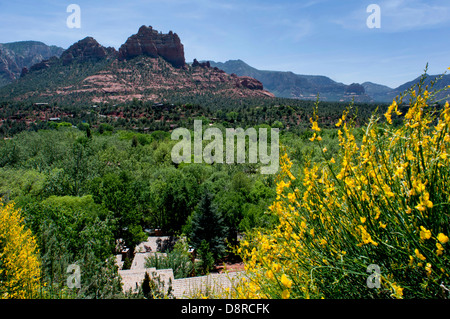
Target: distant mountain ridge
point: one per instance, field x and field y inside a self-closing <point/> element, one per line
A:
<point x="15" y="56"/>
<point x="291" y="85"/>
<point x="377" y="91"/>
<point x="443" y="83"/>
<point x="298" y="86"/>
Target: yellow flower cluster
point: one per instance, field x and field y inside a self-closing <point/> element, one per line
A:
<point x="386" y="204"/>
<point x="19" y="261"/>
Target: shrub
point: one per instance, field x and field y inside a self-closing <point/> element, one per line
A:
<point x="178" y="259"/>
<point x="20" y="269"/>
<point x="383" y="202"/>
<point x="206" y="257"/>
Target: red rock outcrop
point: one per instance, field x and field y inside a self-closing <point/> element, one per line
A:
<point x="202" y="65"/>
<point x="149" y="66"/>
<point x="85" y="49"/>
<point x="45" y="64"/>
<point x="249" y="83"/>
<point x="152" y="43"/>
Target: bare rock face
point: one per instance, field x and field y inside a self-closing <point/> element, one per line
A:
<point x="24" y="72"/>
<point x="152" y="43"/>
<point x="8" y="67"/>
<point x="85" y="49"/>
<point x="206" y="64"/>
<point x="15" y="56"/>
<point x="355" y="88"/>
<point x="45" y="64"/>
<point x="249" y="83"/>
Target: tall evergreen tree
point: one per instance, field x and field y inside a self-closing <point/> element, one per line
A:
<point x="146" y="289"/>
<point x="207" y="225"/>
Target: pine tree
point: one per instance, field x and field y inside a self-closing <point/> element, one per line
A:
<point x="207" y="225"/>
<point x="146" y="289"/>
<point x="134" y="141"/>
<point x="206" y="258"/>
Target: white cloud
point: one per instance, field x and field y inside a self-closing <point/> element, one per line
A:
<point x="400" y="15"/>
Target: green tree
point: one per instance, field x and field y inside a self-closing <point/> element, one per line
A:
<point x="206" y="258"/>
<point x="178" y="259"/>
<point x="146" y="289"/>
<point x="119" y="194"/>
<point x="75" y="230"/>
<point x="172" y="196"/>
<point x="134" y="141"/>
<point x="207" y="225"/>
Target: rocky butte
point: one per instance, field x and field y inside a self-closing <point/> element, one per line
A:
<point x="150" y="65"/>
<point x="86" y="49"/>
<point x="152" y="43"/>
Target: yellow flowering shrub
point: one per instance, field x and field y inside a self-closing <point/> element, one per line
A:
<point x="384" y="200"/>
<point x="19" y="261"/>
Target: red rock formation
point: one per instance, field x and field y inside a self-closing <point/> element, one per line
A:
<point x="158" y="70"/>
<point x="203" y="64"/>
<point x="152" y="43"/>
<point x="85" y="49"/>
<point x="45" y="64"/>
<point x="249" y="83"/>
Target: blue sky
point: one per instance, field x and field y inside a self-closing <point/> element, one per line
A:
<point x="320" y="37"/>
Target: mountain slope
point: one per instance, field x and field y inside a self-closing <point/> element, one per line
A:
<point x="288" y="84"/>
<point x="291" y="85"/>
<point x="441" y="84"/>
<point x="15" y="56"/>
<point x="150" y="65"/>
<point x="444" y="82"/>
<point x="377" y="91"/>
